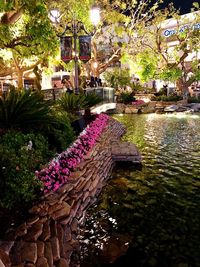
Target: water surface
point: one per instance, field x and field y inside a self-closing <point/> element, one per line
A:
<point x="154" y="210"/>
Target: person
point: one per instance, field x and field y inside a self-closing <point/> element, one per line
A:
<point x="99" y="82"/>
<point x="67" y="85"/>
<point x="92" y="82"/>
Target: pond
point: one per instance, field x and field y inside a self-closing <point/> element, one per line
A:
<point x="150" y="215"/>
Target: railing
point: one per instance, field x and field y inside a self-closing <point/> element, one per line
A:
<point x="52" y="94"/>
<point x="106" y="93"/>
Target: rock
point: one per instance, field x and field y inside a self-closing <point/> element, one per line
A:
<point x="15" y="253"/>
<point x="46" y="233"/>
<point x="42" y="262"/>
<point x="1" y="264"/>
<point x="40" y="249"/>
<point x="55" y="248"/>
<point x="5" y="259"/>
<point x="6" y="246"/>
<point x="29" y="252"/>
<point x="62" y="263"/>
<point x="34" y="219"/>
<point x="55" y="207"/>
<point x="114" y="248"/>
<point x="74" y="226"/>
<point x="171" y="108"/>
<point x="48" y="254"/>
<point x="34" y="232"/>
<point x="63" y="212"/>
<point x="21" y="230"/>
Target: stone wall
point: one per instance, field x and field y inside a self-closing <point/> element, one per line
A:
<point x="49" y="237"/>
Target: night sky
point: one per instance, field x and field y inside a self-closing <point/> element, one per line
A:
<point x="184" y="5"/>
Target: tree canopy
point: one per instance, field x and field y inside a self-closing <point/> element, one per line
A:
<point x="167" y="48"/>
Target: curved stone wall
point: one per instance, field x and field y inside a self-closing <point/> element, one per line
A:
<point x="49" y="237"/>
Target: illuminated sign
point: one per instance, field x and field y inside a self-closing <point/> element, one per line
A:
<point x="170" y="32"/>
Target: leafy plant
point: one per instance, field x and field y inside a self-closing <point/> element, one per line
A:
<point x="166" y="98"/>
<point x="91" y="100"/>
<point x="193" y="99"/>
<point x="18" y="163"/>
<point x="22" y="110"/>
<point x="126" y="97"/>
<point x="118" y="78"/>
<point x="72" y="104"/>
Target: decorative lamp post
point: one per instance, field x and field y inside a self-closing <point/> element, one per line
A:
<point x="69" y="51"/>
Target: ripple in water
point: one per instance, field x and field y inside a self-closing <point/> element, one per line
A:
<point x="156" y="208"/>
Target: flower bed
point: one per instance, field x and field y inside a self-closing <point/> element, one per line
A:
<point x="60" y="168"/>
<point x="138" y="102"/>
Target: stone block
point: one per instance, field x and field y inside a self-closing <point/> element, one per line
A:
<point x="42" y="262"/>
<point x="15" y="253"/>
<point x="29" y="252"/>
<point x="65" y="221"/>
<point x="40" y="249"/>
<point x="21" y="230"/>
<point x="55" y="207"/>
<point x="1" y="264"/>
<point x="6" y="246"/>
<point x="34" y="219"/>
<point x="46" y="232"/>
<point x="63" y="212"/>
<point x="53" y="228"/>
<point x="74" y="226"/>
<point x="48" y="253"/>
<point x="55" y="248"/>
<point x="62" y="263"/>
<point x="34" y="232"/>
<point x="5" y="259"/>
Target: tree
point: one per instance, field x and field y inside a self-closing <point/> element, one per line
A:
<point x="27" y="37"/>
<point x="118" y="20"/>
<point x="164" y="53"/>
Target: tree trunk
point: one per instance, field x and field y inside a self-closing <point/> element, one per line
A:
<point x="20" y="83"/>
<point x="183" y="85"/>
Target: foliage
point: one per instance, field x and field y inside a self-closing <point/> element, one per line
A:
<point x="167" y="98"/>
<point x="18" y="163"/>
<point x="193" y="99"/>
<point x="60" y="134"/>
<point x="72" y="104"/>
<point x="145" y="66"/>
<point x="24" y="110"/>
<point x="126" y="97"/>
<point x="118" y="78"/>
<point x="59" y="170"/>
<point x="170" y="74"/>
<point x="28" y="111"/>
<point x="27" y="35"/>
<point x="91" y="100"/>
<point x="165" y="61"/>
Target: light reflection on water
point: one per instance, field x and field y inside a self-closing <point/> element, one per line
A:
<point x="158" y="206"/>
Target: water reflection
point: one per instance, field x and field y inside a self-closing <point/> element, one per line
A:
<point x="156" y="209"/>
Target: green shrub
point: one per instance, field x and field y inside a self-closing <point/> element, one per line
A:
<point x="24" y="110"/>
<point x="166" y="98"/>
<point x="193" y="99"/>
<point x="126" y="97"/>
<point x="18" y="185"/>
<point x="60" y="135"/>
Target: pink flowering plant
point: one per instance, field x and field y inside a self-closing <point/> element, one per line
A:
<point x="138" y="102"/>
<point x="60" y="168"/>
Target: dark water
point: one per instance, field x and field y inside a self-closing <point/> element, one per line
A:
<point x="150" y="216"/>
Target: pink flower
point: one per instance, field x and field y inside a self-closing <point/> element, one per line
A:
<point x="59" y="169"/>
